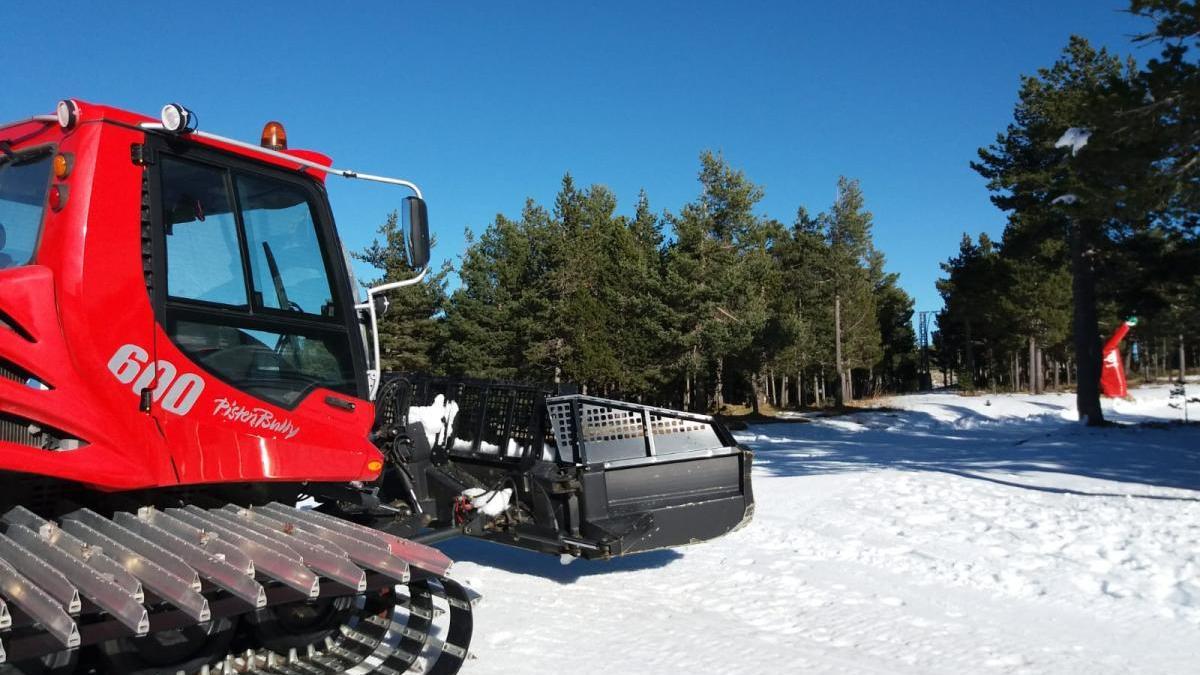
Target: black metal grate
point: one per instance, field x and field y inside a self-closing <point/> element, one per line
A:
<point x="591" y="430"/>
<point x="495" y="420"/>
<point x="465" y="435"/>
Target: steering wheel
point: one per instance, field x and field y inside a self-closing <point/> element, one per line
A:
<point x="242" y="360"/>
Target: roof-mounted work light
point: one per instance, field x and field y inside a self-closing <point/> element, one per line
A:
<point x="177" y="119"/>
<point x="67" y="113"/>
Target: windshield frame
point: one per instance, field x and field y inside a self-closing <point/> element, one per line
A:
<point x="168" y="308"/>
<point x="49" y="150"/>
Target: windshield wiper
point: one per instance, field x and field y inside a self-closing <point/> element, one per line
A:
<point x="276" y="278"/>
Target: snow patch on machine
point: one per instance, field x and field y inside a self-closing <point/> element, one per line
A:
<point x="437" y="418"/>
<point x="489" y="502"/>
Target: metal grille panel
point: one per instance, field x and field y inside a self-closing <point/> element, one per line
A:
<point x="593" y="430"/>
<point x="601" y="423"/>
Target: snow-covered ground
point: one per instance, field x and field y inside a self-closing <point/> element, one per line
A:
<point x="948" y="534"/>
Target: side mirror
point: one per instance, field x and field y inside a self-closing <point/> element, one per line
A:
<point x="416" y="224"/>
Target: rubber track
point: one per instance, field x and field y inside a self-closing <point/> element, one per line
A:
<point x="185" y="558"/>
<point x="397" y="641"/>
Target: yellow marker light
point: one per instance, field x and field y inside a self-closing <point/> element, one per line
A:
<point x="374" y="466"/>
<point x="63" y="163"/>
<point x="273" y="136"/>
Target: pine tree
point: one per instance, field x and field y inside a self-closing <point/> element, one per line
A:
<point x="974" y="311"/>
<point x="897" y="366"/>
<point x="856" y="329"/>
<point x="792" y="329"/>
<point x="1038" y="298"/>
<point x="492" y="316"/>
<point x="410" y="331"/>
<point x="639" y="310"/>
<point x="1089" y="201"/>
<point x="714" y="271"/>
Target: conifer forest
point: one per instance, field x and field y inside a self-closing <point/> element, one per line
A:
<point x="713" y="305"/>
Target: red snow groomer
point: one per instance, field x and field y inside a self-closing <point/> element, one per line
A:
<point x="183" y="362"/>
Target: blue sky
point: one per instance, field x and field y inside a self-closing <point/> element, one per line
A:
<point x="485" y="104"/>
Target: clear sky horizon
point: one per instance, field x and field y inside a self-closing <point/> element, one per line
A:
<point x="485" y="104"/>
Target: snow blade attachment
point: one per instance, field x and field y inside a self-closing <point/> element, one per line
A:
<point x="650" y="477"/>
<point x="590" y="477"/>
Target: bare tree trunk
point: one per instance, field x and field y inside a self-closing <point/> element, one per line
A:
<point x="719" y="394"/>
<point x="1014" y="372"/>
<point x="1033" y="374"/>
<point x="1087" y="328"/>
<point x="1054" y="369"/>
<point x="1162" y="358"/>
<point x="970" y="355"/>
<point x="756" y="392"/>
<point x="837" y="349"/>
<point x="1041" y="370"/>
<point x="991" y="369"/>
<point x="1182" y="360"/>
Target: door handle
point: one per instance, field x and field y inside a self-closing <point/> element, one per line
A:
<point x="340" y="403"/>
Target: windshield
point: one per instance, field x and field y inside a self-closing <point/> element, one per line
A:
<point x="249" y="295"/>
<point x="24" y="179"/>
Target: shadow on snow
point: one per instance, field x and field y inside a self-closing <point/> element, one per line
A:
<point x="520" y="561"/>
<point x="1008" y="451"/>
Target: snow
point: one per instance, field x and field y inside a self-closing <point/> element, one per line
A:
<point x="489" y="502"/>
<point x="940" y="534"/>
<point x="1074" y="138"/>
<point x="437" y="419"/>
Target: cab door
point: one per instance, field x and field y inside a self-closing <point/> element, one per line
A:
<point x="259" y="376"/>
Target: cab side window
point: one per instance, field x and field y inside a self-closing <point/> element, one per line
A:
<point x="203" y="258"/>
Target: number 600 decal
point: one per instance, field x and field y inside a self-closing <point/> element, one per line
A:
<point x="131" y="363"/>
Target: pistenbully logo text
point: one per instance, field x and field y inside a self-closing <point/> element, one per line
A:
<point x="256" y="418"/>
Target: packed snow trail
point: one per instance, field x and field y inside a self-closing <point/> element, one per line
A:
<point x="946" y="534"/>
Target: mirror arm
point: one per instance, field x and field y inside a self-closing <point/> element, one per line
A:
<point x="375" y="369"/>
<point x="344" y="173"/>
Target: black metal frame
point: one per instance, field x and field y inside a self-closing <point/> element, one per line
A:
<point x="521" y="414"/>
<point x="630" y="497"/>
